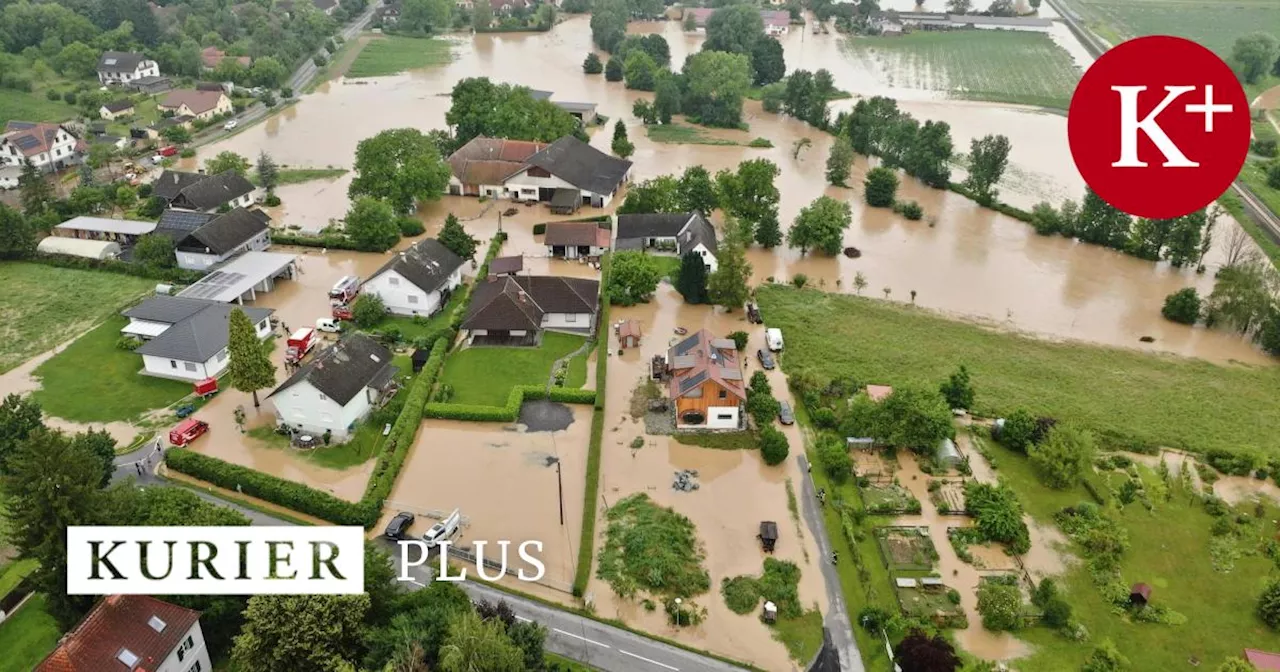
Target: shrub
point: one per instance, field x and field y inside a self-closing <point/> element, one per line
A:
<point x="368" y="310"/>
<point x="880" y="187"/>
<point x="909" y="209"/>
<point x="998" y="515"/>
<point x="1000" y="606"/>
<point x="1057" y="613"/>
<point x="539" y="229"/>
<point x="1263" y="147"/>
<point x="800" y="280"/>
<point x="69" y="97"/>
<point x="52" y="95"/>
<point x="128" y="343"/>
<point x="1182" y="306"/>
<point x="319" y="60"/>
<point x="740" y="339"/>
<point x="834" y="456"/>
<point x="187" y="153"/>
<point x="773" y="445"/>
<point x="286" y="493"/>
<point x="410" y="226"/>
<point x="271" y="200"/>
<point x="1062" y="459"/>
<point x="760" y="143"/>
<point x="1018" y="429"/>
<point x="824" y="418"/>
<point x="1269" y="605"/>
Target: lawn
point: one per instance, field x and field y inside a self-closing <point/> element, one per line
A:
<point x="33" y="106"/>
<point x="94" y="381"/>
<point x="395" y="54"/>
<point x="416" y="327"/>
<point x="14" y="572"/>
<point x="474" y="372"/>
<point x="1128" y="398"/>
<point x="992" y="65"/>
<point x="1231" y="202"/>
<point x="682" y="134"/>
<point x="1215" y="25"/>
<point x="1254" y="175"/>
<point x="360" y="449"/>
<point x="27" y="636"/>
<point x="299" y="175"/>
<point x="43" y="306"/>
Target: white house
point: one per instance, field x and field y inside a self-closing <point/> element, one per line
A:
<point x="186" y="338"/>
<point x="480" y="167"/>
<point x="215" y="238"/>
<point x="122" y="67"/>
<point x="776" y="22"/>
<point x="671" y="233"/>
<point x="569" y="164"/>
<point x="132" y="632"/>
<point x="418" y="280"/>
<point x="337" y="388"/>
<point x="515" y="310"/>
<point x="48" y="147"/>
<point x="116" y="109"/>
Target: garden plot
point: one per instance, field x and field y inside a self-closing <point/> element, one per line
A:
<point x="947" y="496"/>
<point x="906" y="548"/>
<point x="937" y="604"/>
<point x="870" y="463"/>
<point x="888" y="498"/>
<point x="1214" y="24"/>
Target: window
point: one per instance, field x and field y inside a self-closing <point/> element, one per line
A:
<point x="195" y="668"/>
<point x="570" y="317"/>
<point x="723" y="394"/>
<point x="190" y="366"/>
<point x="538" y="172"/>
<point x="173" y="364"/>
<point x="413" y="298"/>
<point x="222" y="355"/>
<point x="127" y="657"/>
<point x="393" y="281"/>
<point x="724" y="416"/>
<point x="157" y="624"/>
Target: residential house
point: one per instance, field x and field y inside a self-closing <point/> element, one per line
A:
<point x="116" y="109"/>
<point x="132" y="632"/>
<point x="671" y="232"/>
<point x="515" y="310"/>
<point x="418" y="280"/>
<point x="186" y="338"/>
<point x="123" y="67"/>
<point x="202" y="105"/>
<point x="569" y="164"/>
<point x="210" y="57"/>
<point x="505" y="7"/>
<point x="583" y="112"/>
<point x="203" y="240"/>
<point x="776" y="22"/>
<point x="388" y="13"/>
<point x="336" y="388"/>
<point x="480" y="167"/>
<point x="123" y="231"/>
<point x="572" y="240"/>
<point x="204" y="193"/>
<point x="706" y="382"/>
<point x="506" y="265"/>
<point x="48" y="147"/>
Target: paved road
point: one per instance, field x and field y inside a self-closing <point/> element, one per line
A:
<point x="837" y="620"/>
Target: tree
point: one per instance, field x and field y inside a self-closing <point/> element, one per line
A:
<point x="1105" y="658"/>
<point x="100" y="155"/>
<point x="839" y="161"/>
<point x="998" y="514"/>
<point x="19" y="417"/>
<point x="592" y="64"/>
<point x="1101" y="223"/>
<point x="285" y="633"/>
<point x="728" y="285"/>
<point x="767" y="62"/>
<point x="958" y="391"/>
<point x="690" y="23"/>
<point x="609" y="23"/>
<point x="1253" y="55"/>
<point x="988" y="158"/>
<point x="1064" y="456"/>
<point x="1182" y="306"/>
<point x="959" y="6"/>
<point x="751" y="195"/>
<point x="639" y="70"/>
<point x="1018" y="430"/>
<point x="621" y="145"/>
<point x="250" y="369"/>
<point x="734" y="29"/>
<point x="928" y="154"/>
<point x="772" y="97"/>
<point x="696" y="192"/>
<point x="481" y="16"/>
<point x="717" y="83"/>
<point x="633" y="277"/>
<point x="821" y="225"/>
<point x="17" y="236"/>
<point x="99" y="443"/>
<point x="918" y="652"/>
<point x="1000" y="606"/>
<point x="225" y="161"/>
<point x="178" y="135"/>
<point x="1269" y="335"/>
<point x="1269" y="605"/>
<point x="774" y="447"/>
<point x="86" y="174"/>
<point x="456" y="238"/>
<point x="692" y="281"/>
<point x="77" y="60"/>
<point x="613" y="70"/>
<point x="880" y="187"/>
<point x="660" y="194"/>
<point x="666" y="101"/>
<point x="268" y="172"/>
<point x="1273" y="174"/>
<point x="1241" y="297"/>
<point x="400" y="166"/>
<point x="371" y="225"/>
<point x="155" y="250"/>
<point x="768" y="231"/>
<point x="34" y="192"/>
<point x="267" y="72"/>
<point x="833" y="455"/>
<point x="368" y="310"/>
<point x="916" y="418"/>
<point x="474" y="644"/>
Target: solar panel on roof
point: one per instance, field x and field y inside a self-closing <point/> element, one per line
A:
<point x="692" y="381"/>
<point x="27" y="141"/>
<point x="181" y="220"/>
<point x="687" y="345"/>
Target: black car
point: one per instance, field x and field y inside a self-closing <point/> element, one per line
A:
<point x="785" y="416"/>
<point x="399" y="525"/>
<point x="766" y="359"/>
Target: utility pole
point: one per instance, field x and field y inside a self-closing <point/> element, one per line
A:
<point x="560" y="487"/>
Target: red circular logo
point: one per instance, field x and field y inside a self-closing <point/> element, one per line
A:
<point x="1159" y="127"/>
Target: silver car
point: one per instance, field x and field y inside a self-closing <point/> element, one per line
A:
<point x="785" y="416"/>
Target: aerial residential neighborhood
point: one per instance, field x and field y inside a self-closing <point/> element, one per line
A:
<point x="772" y="335"/>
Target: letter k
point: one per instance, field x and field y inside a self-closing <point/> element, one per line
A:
<point x="1130" y="125"/>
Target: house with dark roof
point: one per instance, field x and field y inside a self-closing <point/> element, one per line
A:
<point x="48" y="147"/>
<point x="116" y="109"/>
<point x="220" y="238"/>
<point x="480" y="167"/>
<point x="204" y="193"/>
<point x="186" y="338"/>
<point x="515" y="310"/>
<point x="570" y="166"/>
<point x="706" y="382"/>
<point x="417" y="280"/>
<point x="132" y="632"/>
<point x="669" y="232"/>
<point x="574" y="240"/>
<point x="335" y="389"/>
<point x="123" y="67"/>
<point x="583" y="112"/>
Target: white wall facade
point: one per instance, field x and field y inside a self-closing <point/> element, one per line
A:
<point x="191" y="654"/>
<point x="198" y="261"/>
<point x="145" y="69"/>
<point x="574" y="321"/>
<point x="305" y="408"/>
<point x="402" y="297"/>
<point x="62" y="151"/>
<point x="571" y="251"/>
<point x="718" y="417"/>
<point x="165" y="367"/>
<point x="707" y="257"/>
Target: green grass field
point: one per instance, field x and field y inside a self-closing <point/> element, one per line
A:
<point x="43" y="306"/>
<point x="471" y="372"/>
<point x="1214" y="24"/>
<point x="395" y="54"/>
<point x="300" y="175"/>
<point x="1254" y="174"/>
<point x="991" y="65"/>
<point x="27" y="637"/>
<point x="32" y="106"/>
<point x="681" y="134"/>
<point x="94" y="381"/>
<point x="13" y="573"/>
<point x="1128" y="398"/>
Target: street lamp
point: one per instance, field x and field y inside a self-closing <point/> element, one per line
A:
<point x="560" y="488"/>
<point x="678" y="612"/>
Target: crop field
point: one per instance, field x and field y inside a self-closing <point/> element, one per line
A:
<point x="1213" y="23"/>
<point x="996" y="66"/>
<point x="395" y="54"/>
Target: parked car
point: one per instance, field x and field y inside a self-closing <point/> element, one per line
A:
<point x="766" y="359"/>
<point x="785" y="416"/>
<point x="230" y="125"/>
<point x="773" y="338"/>
<point x="443" y="530"/>
<point x="328" y="324"/>
<point x="399" y="525"/>
<point x="753" y="313"/>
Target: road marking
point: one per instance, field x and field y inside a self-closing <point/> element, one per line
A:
<point x="589" y="641"/>
<point x="418" y="583"/>
<point x="522" y="619"/>
<point x="648" y="661"/>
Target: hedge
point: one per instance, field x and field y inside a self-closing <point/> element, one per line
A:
<point x="511" y="411"/>
<point x="1002" y="208"/>
<point x="586" y="545"/>
<point x="396" y="448"/>
<point x="495" y="246"/>
<point x="173" y="275"/>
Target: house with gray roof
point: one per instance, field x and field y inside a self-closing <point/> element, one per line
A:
<point x="515" y="310"/>
<point x="676" y="233"/>
<point x="204" y="193"/>
<point x="185" y="338"/>
<point x="203" y="240"/>
<point x="570" y="166"/>
<point x="336" y="388"/>
<point x="123" y="67"/>
<point x="417" y="280"/>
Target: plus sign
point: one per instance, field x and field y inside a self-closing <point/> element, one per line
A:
<point x="1208" y="109"/>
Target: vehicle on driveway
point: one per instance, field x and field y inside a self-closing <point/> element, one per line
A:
<point x="443" y="530"/>
<point x="187" y="431"/>
<point x="399" y="525"/>
<point x="230" y="125"/>
<point x="206" y="388"/>
<point x="328" y="325"/>
<point x="345" y="289"/>
<point x="299" y="344"/>
<point x="766" y="359"/>
<point x="773" y="339"/>
<point x="753" y="313"/>
<point x="785" y="416"/>
<point x="341" y="311"/>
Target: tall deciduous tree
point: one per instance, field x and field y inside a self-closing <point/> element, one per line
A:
<point x="769" y="231"/>
<point x="767" y="62"/>
<point x="958" y="389"/>
<point x="34" y="192"/>
<point x="696" y="191"/>
<point x="481" y="16"/>
<point x="609" y="23"/>
<point x="919" y="652"/>
<point x="916" y="418"/>
<point x="988" y="158"/>
<point x="728" y="285"/>
<point x="297" y="633"/>
<point x="1253" y="55"/>
<point x="1101" y="223"/>
<point x="717" y="83"/>
<point x="734" y="29"/>
<point x="250" y="368"/>
<point x="840" y="161"/>
<point x="621" y="144"/>
<point x="268" y="172"/>
<point x="692" y="281"/>
<point x="155" y="250"/>
<point x="659" y="194"/>
<point x="666" y="100"/>
<point x="928" y="155"/>
<point x="400" y="166"/>
<point x="99" y="443"/>
<point x="371" y="225"/>
<point x="633" y="277"/>
<point x="455" y="237"/>
<point x="1063" y="457"/>
<point x="17" y="236"/>
<point x="19" y="417"/>
<point x="821" y="225"/>
<point x="750" y="193"/>
<point x="225" y="161"/>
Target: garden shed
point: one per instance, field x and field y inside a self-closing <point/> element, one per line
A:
<point x="948" y="455"/>
<point x="420" y="357"/>
<point x="1139" y="594"/>
<point x="629" y="334"/>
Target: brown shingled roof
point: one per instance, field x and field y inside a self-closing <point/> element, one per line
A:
<point x="576" y="233"/>
<point x="198" y="102"/>
<point x="697" y="358"/>
<point x="121" y="622"/>
<point x="491" y="160"/>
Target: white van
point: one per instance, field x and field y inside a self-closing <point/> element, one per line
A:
<point x="773" y="338"/>
<point x="443" y="529"/>
<point x="328" y="325"/>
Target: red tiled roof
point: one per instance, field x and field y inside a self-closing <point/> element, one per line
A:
<point x="1263" y="660"/>
<point x="121" y="622"/>
<point x="879" y="392"/>
<point x="491" y="160"/>
<point x="576" y="233"/>
<point x="699" y="357"/>
<point x="42" y="132"/>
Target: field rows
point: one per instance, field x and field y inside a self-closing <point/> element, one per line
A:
<point x="1215" y="25"/>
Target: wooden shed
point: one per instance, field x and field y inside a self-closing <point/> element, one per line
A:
<point x="1139" y="595"/>
<point x="420" y="357"/>
<point x="768" y="535"/>
<point x="629" y="334"/>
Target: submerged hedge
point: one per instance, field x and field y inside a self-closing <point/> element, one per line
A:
<point x="587" y="543"/>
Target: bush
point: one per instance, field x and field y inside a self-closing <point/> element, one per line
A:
<point x="800" y="280"/>
<point x="187" y="153"/>
<point x="1263" y="147"/>
<point x="909" y="209"/>
<point x="824" y="418"/>
<point x="1182" y="306"/>
<point x="834" y="457"/>
<point x="52" y="95"/>
<point x="1000" y="606"/>
<point x="319" y="60"/>
<point x="128" y="343"/>
<point x="1019" y="428"/>
<point x="288" y="494"/>
<point x="410" y="226"/>
<point x="1057" y="613"/>
<point x="773" y="445"/>
<point x="880" y="187"/>
<point x="368" y="310"/>
<point x="69" y="97"/>
<point x="539" y="229"/>
<point x="740" y="339"/>
<point x="760" y="143"/>
<point x="998" y="514"/>
<point x="151" y="272"/>
<point x="271" y="200"/>
<point x="1269" y="605"/>
<point x="592" y="65"/>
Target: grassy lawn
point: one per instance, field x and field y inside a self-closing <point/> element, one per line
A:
<point x="802" y="636"/>
<point x="32" y="106"/>
<point x="682" y="134"/>
<point x="360" y="449"/>
<point x="394" y="54"/>
<point x="993" y="65"/>
<point x="43" y="306"/>
<point x="471" y="372"/>
<point x="94" y="381"/>
<point x="1254" y="174"/>
<point x="1128" y="398"/>
<point x="27" y="636"/>
<point x="144" y="114"/>
<point x="719" y="440"/>
<point x="416" y="327"/>
<point x="14" y="573"/>
<point x="300" y="175"/>
<point x="1214" y="24"/>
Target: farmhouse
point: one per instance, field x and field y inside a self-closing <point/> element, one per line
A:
<point x="572" y="240"/>
<point x="123" y="231"/>
<point x="672" y="233"/>
<point x="480" y="167"/>
<point x="706" y="382"/>
<point x="204" y="193"/>
<point x="186" y="338"/>
<point x="417" y="281"/>
<point x="132" y="632"/>
<point x="337" y="388"/>
<point x="116" y="109"/>
<point x="195" y="103"/>
<point x="123" y="67"/>
<point x="569" y="164"/>
<point x="515" y="310"/>
<point x="48" y="147"/>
